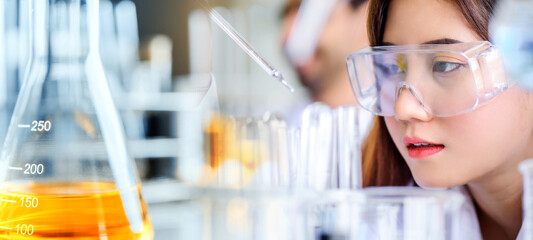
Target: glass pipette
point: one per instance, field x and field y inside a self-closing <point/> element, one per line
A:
<point x="237" y="38"/>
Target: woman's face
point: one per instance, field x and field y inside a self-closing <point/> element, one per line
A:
<point x="473" y="146"/>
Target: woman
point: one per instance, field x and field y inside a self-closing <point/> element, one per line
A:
<point x="444" y="134"/>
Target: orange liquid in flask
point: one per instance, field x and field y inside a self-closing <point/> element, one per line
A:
<point x="43" y="211"/>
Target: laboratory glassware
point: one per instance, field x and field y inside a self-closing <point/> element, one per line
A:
<point x="199" y="91"/>
<point x="315" y="168"/>
<point x="253" y="214"/>
<point x="408" y="213"/>
<point x="119" y="53"/>
<point x="323" y="153"/>
<point x="391" y="213"/>
<point x="10" y="55"/>
<point x="248" y="152"/>
<point x="348" y="147"/>
<point x="128" y="40"/>
<point x="244" y="45"/>
<point x="526" y="168"/>
<point x="328" y="148"/>
<point x="511" y="31"/>
<point x="65" y="171"/>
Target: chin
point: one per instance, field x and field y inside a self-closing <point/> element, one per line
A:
<point x="435" y="181"/>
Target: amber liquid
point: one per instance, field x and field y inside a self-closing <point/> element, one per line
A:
<point x="224" y="144"/>
<point x="85" y="210"/>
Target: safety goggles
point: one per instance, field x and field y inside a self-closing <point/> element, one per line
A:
<point x="445" y="79"/>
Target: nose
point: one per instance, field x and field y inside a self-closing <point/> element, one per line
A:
<point x="408" y="107"/>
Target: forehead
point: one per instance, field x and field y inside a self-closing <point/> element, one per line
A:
<point x="419" y="21"/>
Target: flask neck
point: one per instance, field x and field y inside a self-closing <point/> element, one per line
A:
<point x="63" y="30"/>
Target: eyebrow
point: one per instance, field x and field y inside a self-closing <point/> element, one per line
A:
<point x="437" y="41"/>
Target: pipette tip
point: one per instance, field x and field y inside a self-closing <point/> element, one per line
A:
<point x="276" y="74"/>
<point x="286" y="84"/>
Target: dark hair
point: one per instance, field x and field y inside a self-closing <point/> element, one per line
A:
<point x="383" y="164"/>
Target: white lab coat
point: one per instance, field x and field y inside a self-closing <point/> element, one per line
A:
<point x="470" y="223"/>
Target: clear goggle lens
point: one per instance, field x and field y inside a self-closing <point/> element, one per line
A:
<point x="445" y="79"/>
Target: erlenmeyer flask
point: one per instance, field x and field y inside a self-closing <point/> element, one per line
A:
<point x="65" y="171"/>
<point x="9" y="60"/>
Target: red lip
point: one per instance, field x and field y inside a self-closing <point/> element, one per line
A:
<point x="425" y="151"/>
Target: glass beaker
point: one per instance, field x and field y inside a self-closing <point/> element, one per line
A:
<point x="65" y="171"/>
<point x="260" y="215"/>
<point x="248" y="152"/>
<point x="408" y="213"/>
<point x="391" y="213"/>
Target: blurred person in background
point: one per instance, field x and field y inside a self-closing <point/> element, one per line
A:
<point x="324" y="75"/>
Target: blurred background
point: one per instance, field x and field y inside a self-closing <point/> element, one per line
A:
<point x="201" y="51"/>
<point x="199" y="46"/>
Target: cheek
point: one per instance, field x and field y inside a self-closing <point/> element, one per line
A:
<point x="495" y="136"/>
<point x="477" y="143"/>
<point x="498" y="131"/>
<point x="392" y="125"/>
<point x="396" y="130"/>
<point x="481" y="142"/>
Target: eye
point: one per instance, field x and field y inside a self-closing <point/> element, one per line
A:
<point x="390" y="69"/>
<point x="391" y="64"/>
<point x="445" y="67"/>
